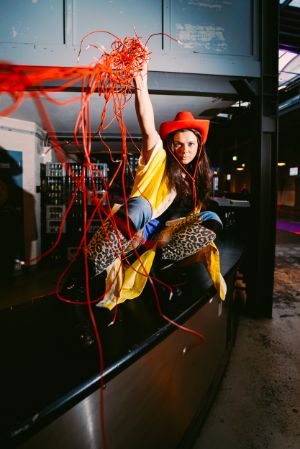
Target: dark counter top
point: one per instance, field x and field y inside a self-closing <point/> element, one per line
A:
<point x="49" y="357"/>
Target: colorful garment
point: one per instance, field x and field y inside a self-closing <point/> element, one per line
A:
<point x="125" y="282"/>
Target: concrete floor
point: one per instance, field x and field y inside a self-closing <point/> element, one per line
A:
<point x="258" y="404"/>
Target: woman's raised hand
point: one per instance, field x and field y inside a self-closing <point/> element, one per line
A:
<point x="143" y="67"/>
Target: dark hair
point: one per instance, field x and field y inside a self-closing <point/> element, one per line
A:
<point x="198" y="171"/>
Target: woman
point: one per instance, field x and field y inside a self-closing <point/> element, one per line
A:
<point x="170" y="184"/>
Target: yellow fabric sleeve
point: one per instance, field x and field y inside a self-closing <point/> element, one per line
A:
<point x="211" y="259"/>
<point x="127" y="282"/>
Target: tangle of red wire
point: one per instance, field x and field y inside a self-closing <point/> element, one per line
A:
<point x="111" y="78"/>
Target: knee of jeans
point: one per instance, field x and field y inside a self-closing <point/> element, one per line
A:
<point x="208" y="215"/>
<point x="139" y="211"/>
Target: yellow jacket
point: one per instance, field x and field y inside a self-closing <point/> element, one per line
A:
<point x="127" y="282"/>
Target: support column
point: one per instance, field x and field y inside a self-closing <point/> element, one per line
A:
<point x="264" y="170"/>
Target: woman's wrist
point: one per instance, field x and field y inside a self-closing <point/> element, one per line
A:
<point x="141" y="81"/>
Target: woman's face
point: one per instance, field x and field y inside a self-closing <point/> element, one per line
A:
<point x="185" y="146"/>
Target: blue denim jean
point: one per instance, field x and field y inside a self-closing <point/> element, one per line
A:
<point x="139" y="213"/>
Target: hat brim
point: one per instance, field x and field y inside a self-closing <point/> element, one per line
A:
<point x="167" y="128"/>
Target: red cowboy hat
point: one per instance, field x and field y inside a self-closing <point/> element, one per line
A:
<point x="184" y="120"/>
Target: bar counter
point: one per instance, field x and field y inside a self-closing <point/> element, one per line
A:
<point x="158" y="380"/>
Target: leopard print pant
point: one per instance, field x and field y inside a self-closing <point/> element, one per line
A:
<point x="188" y="237"/>
<point x="105" y="246"/>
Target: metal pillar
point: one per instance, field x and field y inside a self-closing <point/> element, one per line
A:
<point x="264" y="169"/>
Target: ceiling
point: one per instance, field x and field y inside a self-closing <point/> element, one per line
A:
<point x="289" y="43"/>
<point x="289" y="31"/>
<point x="204" y="95"/>
<point x="289" y="55"/>
<point x="64" y="117"/>
<point x="289" y="81"/>
<point x="207" y="100"/>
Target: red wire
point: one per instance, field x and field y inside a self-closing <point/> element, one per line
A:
<point x="111" y="78"/>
